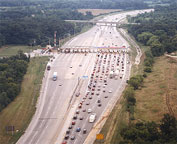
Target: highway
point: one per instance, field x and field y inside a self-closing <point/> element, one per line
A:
<point x="87" y="74"/>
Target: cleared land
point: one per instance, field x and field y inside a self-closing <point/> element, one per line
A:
<point x="96" y="12"/>
<point x="13" y="49"/>
<point x="21" y="110"/>
<point x="159" y="94"/>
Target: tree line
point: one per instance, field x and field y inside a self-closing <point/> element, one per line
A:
<point x="157" y="29"/>
<point x="77" y="4"/>
<point x="164" y="132"/>
<point x="12" y="70"/>
<point x="31" y="26"/>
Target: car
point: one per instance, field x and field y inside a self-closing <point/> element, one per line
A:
<point x="104" y="90"/>
<point x="110" y="91"/>
<point x="84" y="131"/>
<point x="70" y="127"/>
<point x="66" y="137"/>
<point x="71" y="67"/>
<point x="90" y="97"/>
<point x="106" y="96"/>
<point x="73" y="123"/>
<point x="77" y="111"/>
<point x="98" y="101"/>
<point x="72" y="137"/>
<point x="89" y="110"/>
<point x="84" y="110"/>
<point x="80" y="106"/>
<point x="78" y="129"/>
<point x="99" y="104"/>
<point x="81" y="118"/>
<point x="60" y="84"/>
<point x="64" y="142"/>
<point x="77" y="94"/>
<point x="68" y="131"/>
<point x="75" y="117"/>
<point x="97" y="94"/>
<point x="87" y="103"/>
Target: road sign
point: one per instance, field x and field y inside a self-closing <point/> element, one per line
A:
<point x="99" y="136"/>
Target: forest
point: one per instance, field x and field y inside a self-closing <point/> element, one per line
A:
<point x="30" y="22"/>
<point x="32" y="26"/>
<point x="12" y="70"/>
<point x="76" y="4"/>
<point x="157" y="29"/>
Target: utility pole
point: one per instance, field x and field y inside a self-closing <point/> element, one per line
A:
<point x="55" y="39"/>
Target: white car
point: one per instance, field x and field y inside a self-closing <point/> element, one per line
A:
<point x="89" y="110"/>
<point x="92" y="117"/>
<point x="110" y="91"/>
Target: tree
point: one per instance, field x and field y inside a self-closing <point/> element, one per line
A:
<point x="144" y="37"/>
<point x="157" y="48"/>
<point x="136" y="81"/>
<point x="152" y="39"/>
<point x="168" y="128"/>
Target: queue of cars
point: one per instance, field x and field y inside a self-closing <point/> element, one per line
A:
<point x="97" y="89"/>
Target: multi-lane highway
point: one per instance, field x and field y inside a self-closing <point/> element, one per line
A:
<point x="61" y="116"/>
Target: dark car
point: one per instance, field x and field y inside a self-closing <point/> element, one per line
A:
<point x="78" y="129"/>
<point x="66" y="137"/>
<point x="84" y="131"/>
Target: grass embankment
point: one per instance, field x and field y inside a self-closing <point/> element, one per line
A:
<point x="159" y="92"/>
<point x="13" y="50"/>
<point x="20" y="111"/>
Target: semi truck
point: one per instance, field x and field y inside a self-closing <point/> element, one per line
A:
<point x="54" y="76"/>
<point x="48" y="66"/>
<point x="92" y="117"/>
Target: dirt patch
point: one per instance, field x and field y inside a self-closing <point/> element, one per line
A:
<point x="96" y="12"/>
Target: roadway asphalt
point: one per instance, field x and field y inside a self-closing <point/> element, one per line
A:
<point x="58" y="103"/>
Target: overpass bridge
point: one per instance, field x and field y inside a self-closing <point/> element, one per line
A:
<point x="92" y="21"/>
<point x="104" y="23"/>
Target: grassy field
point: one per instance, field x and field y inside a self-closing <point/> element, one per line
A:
<point x="159" y="86"/>
<point x="20" y="111"/>
<point x="13" y="49"/>
<point x="97" y="12"/>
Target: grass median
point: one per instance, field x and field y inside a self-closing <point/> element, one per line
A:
<point x="19" y="113"/>
<point x="10" y="50"/>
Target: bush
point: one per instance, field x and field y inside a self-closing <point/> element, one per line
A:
<point x="148" y="69"/>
